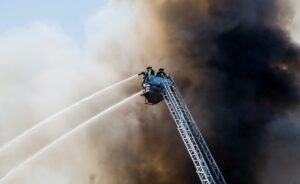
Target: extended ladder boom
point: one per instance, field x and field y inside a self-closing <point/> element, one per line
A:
<point x="205" y="164"/>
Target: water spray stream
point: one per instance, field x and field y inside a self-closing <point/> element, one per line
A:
<point x="49" y="119"/>
<point x="81" y="126"/>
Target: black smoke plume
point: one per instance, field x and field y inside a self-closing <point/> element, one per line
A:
<point x="237" y="69"/>
<point x="245" y="69"/>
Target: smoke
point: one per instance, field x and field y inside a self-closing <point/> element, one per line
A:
<point x="143" y="145"/>
<point x="42" y="71"/>
<point x="233" y="60"/>
<point x="245" y="78"/>
<point x="237" y="66"/>
<point x="295" y="23"/>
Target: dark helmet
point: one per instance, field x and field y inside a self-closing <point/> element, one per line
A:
<point x="149" y="67"/>
<point x="161" y="69"/>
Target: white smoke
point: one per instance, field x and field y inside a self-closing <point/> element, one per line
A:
<point x="43" y="70"/>
<point x="295" y="23"/>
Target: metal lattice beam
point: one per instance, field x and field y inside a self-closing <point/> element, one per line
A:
<point x="205" y="164"/>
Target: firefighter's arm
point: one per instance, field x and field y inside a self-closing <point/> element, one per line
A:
<point x="142" y="73"/>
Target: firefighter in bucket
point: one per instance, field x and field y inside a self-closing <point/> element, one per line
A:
<point x="153" y="85"/>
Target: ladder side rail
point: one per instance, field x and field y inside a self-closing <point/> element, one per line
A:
<point x="202" y="143"/>
<point x="172" y="100"/>
<point x="196" y="153"/>
<point x="172" y="108"/>
<point x="201" y="167"/>
<point x="215" y="169"/>
<point x="198" y="134"/>
<point x="171" y="104"/>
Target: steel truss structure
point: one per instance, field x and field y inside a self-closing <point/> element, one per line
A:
<point x="206" y="167"/>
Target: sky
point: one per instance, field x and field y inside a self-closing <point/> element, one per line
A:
<point x="69" y="15"/>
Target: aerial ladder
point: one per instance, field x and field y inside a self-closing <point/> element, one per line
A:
<point x="162" y="87"/>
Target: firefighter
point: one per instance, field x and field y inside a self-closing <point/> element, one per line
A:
<point x="150" y="71"/>
<point x="161" y="73"/>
